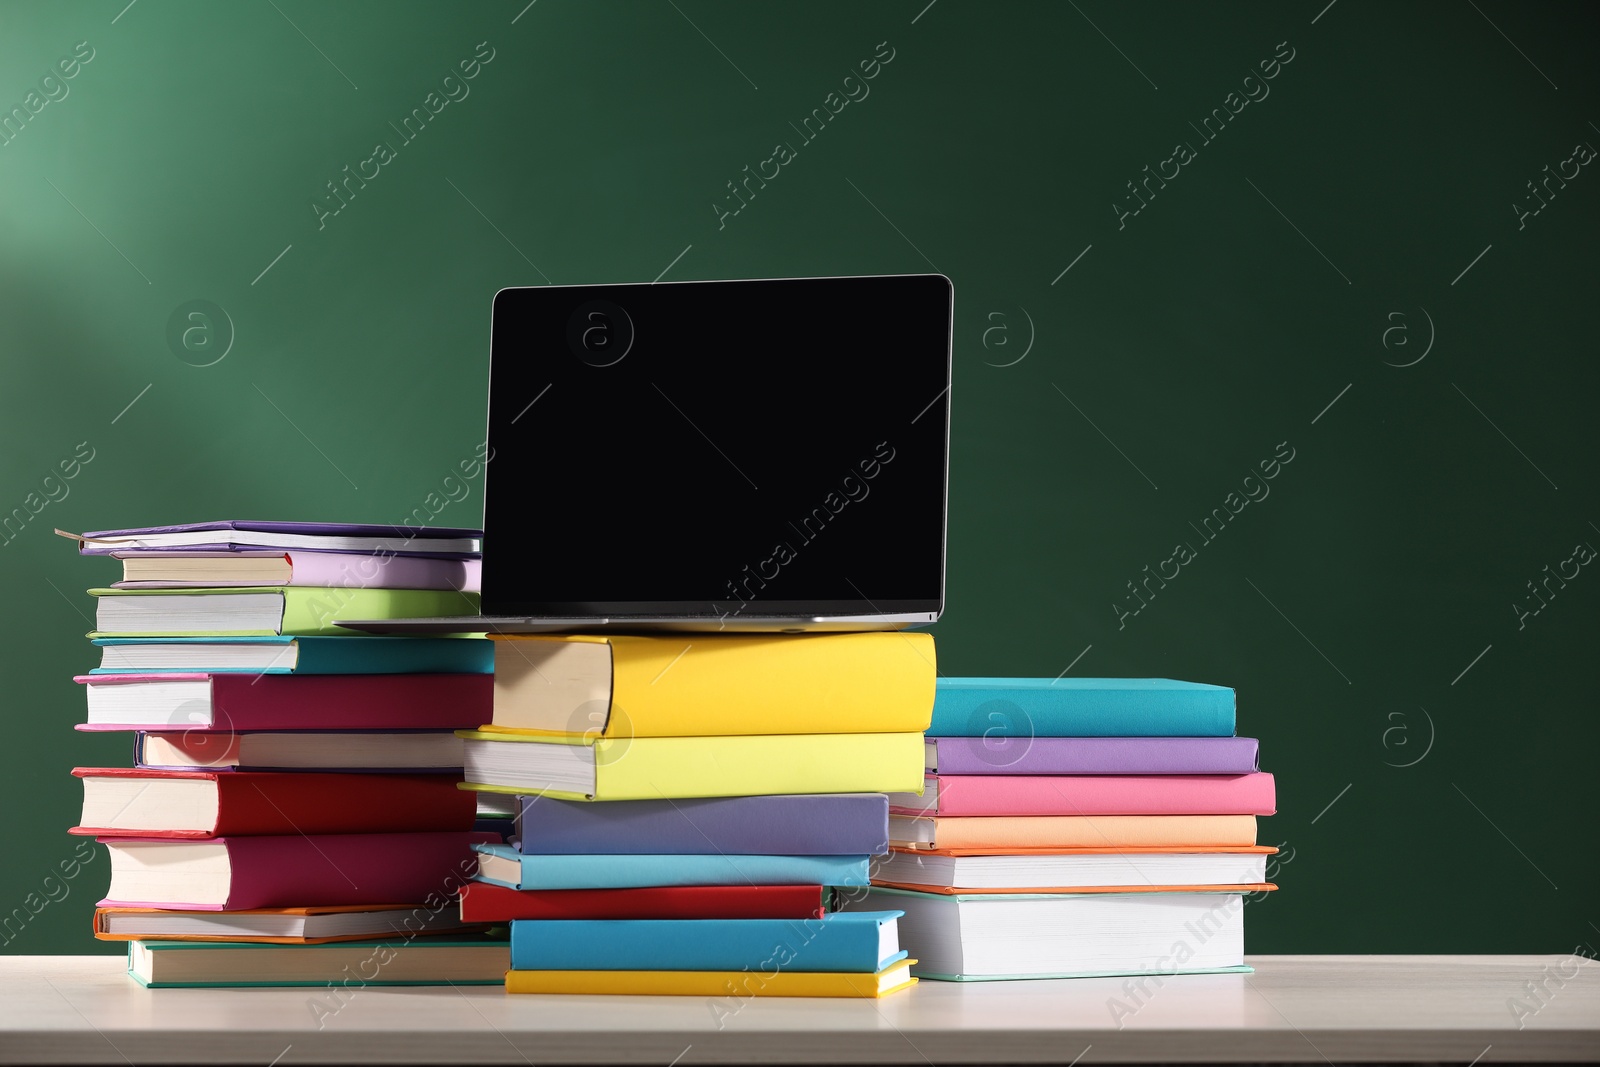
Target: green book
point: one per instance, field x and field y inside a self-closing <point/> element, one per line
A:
<point x="417" y="961"/>
<point x="264" y="611"/>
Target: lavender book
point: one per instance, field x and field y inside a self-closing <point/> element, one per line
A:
<point x="1091" y="755"/>
<point x="824" y="824"/>
<point x="242" y="534"/>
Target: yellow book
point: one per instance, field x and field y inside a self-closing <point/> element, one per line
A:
<point x="734" y="985"/>
<point x="649" y="768"/>
<point x="689" y="685"/>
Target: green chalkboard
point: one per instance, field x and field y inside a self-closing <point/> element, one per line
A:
<point x="249" y="250"/>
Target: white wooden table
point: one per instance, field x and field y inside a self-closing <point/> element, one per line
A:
<point x="1300" y="1009"/>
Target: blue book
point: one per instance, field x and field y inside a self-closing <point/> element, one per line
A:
<point x="820" y="824"/>
<point x="504" y="865"/>
<point x="296" y="655"/>
<point x="1080" y="707"/>
<point x="855" y="942"/>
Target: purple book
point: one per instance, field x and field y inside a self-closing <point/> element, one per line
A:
<point x="1092" y="755"/>
<point x="240" y="535"/>
<point x="826" y="824"/>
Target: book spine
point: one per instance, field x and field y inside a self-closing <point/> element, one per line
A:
<point x="968" y="711"/>
<point x="757" y="765"/>
<point x="338" y="570"/>
<point x="805" y="684"/>
<point x="1104" y="831"/>
<point x="486" y="903"/>
<point x="351" y="702"/>
<point x="629" y="872"/>
<point x="824" y="825"/>
<point x="833" y="943"/>
<point x="387" y="655"/>
<point x="1096" y="755"/>
<point x="312" y="612"/>
<point x="974" y="795"/>
<point x="287" y="871"/>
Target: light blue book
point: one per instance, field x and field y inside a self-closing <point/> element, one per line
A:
<point x="504" y="865"/>
<point x="295" y="655"/>
<point x="858" y="942"/>
<point x="1080" y="707"/>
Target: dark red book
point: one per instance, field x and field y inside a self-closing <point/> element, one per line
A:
<point x="138" y="802"/>
<point x="290" y="871"/>
<point x="238" y="701"/>
<point x="485" y="903"/>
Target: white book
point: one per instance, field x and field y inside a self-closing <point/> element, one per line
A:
<point x="1064" y="935"/>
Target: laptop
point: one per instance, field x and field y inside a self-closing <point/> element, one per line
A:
<point x="767" y="456"/>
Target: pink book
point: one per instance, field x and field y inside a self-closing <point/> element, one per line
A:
<point x="1090" y="794"/>
<point x="289" y="871"/>
<point x="325" y="570"/>
<point x="288" y="701"/>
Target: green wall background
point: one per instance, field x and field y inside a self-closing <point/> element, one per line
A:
<point x="1364" y="609"/>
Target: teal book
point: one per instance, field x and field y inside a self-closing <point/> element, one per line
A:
<point x="414" y="961"/>
<point x="1080" y="707"/>
<point x="295" y="655"/>
<point x="504" y="865"/>
<point x="857" y="942"/>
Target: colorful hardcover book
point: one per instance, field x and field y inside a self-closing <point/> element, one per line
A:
<point x="138" y="802"/>
<point x="263" y="611"/>
<point x="1081" y="707"/>
<point x="852" y="942"/>
<point x="652" y="768"/>
<point x="396" y="962"/>
<point x="296" y="655"/>
<point x="827" y="824"/>
<point x="245" y="534"/>
<point x="1084" y="870"/>
<point x="1091" y="755"/>
<point x="483" y="902"/>
<point x="285" y="871"/>
<point x="618" y="688"/>
<point x="278" y="926"/>
<point x="505" y="866"/>
<point x="1084" y="794"/>
<point x="409" y="752"/>
<point x="988" y="937"/>
<point x="1071" y="831"/>
<point x="329" y="570"/>
<point x="735" y="985"/>
<point x="285" y="702"/>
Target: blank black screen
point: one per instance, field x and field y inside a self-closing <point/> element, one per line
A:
<point x="760" y="447"/>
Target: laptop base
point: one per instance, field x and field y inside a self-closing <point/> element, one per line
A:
<point x="731" y="623"/>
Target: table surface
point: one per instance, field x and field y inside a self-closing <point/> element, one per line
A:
<point x="1295" y="1009"/>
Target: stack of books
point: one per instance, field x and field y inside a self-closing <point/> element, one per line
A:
<point x="293" y="815"/>
<point x="688" y="805"/>
<point x="1077" y="827"/>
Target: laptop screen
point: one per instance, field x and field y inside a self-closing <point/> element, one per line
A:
<point x="710" y="448"/>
